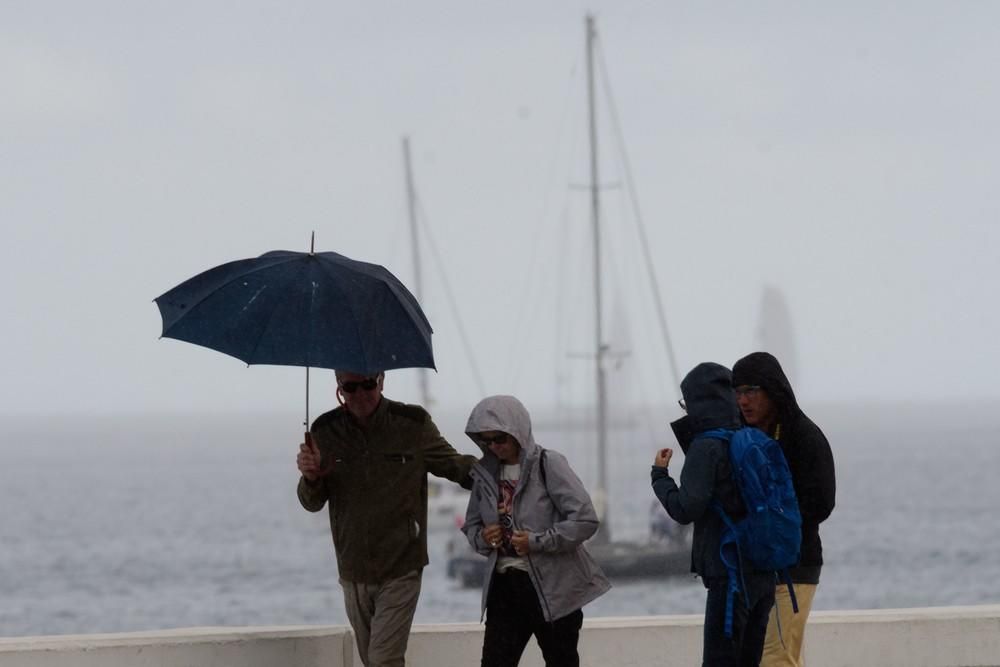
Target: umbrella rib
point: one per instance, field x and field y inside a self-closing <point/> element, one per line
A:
<point x="209" y="293"/>
<point x="270" y="318"/>
<point x="350" y="306"/>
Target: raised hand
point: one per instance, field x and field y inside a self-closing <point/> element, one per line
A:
<point x="662" y="459"/>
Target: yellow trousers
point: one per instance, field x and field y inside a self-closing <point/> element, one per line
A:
<point x="785" y="649"/>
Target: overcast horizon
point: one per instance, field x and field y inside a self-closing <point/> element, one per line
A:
<point x="837" y="162"/>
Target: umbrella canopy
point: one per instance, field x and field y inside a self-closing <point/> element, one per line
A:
<point x="286" y="308"/>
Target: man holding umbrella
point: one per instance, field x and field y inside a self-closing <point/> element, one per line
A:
<point x="368" y="460"/>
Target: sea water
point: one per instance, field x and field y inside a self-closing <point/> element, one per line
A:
<point x="113" y="524"/>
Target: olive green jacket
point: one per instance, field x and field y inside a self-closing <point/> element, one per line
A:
<point x="377" y="487"/>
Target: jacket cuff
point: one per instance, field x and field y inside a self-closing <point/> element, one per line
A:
<point x="479" y="544"/>
<point x="542" y="542"/>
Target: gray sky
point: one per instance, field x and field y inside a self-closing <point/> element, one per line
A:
<point x="844" y="154"/>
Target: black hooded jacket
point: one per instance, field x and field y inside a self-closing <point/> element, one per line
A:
<point x="707" y="473"/>
<point x="807" y="452"/>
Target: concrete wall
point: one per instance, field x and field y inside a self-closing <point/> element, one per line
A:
<point x="936" y="637"/>
<point x="192" y="647"/>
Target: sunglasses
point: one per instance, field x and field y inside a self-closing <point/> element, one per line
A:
<point x="367" y="384"/>
<point x="748" y="390"/>
<point x="495" y="440"/>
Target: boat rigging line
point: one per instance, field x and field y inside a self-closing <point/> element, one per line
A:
<point x="419" y="220"/>
<point x="640" y="225"/>
<point x="521" y="328"/>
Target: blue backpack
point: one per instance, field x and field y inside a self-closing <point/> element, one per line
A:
<point x="770" y="535"/>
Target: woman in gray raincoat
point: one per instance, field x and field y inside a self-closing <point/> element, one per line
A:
<point x="530" y="515"/>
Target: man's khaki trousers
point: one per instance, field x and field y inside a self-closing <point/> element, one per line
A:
<point x="381" y="616"/>
<point x="785" y="650"/>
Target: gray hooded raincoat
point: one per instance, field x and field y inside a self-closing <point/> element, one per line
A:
<point x="553" y="507"/>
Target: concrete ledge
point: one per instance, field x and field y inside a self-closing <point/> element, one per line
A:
<point x="932" y="637"/>
<point x="306" y="646"/>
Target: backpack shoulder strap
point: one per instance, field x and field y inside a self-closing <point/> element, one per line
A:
<point x="545" y="481"/>
<point x="541" y="469"/>
<point x="785" y="576"/>
<point x="717" y="434"/>
<point x="729" y="544"/>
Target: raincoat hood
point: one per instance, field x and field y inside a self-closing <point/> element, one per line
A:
<point x="709" y="397"/>
<point x="505" y="414"/>
<point x="763" y="369"/>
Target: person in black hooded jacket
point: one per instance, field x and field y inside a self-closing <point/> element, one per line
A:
<point x="707" y="477"/>
<point x="766" y="401"/>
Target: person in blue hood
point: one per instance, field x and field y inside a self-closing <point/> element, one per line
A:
<point x="706" y="478"/>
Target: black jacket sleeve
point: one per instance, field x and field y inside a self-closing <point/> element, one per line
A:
<point x="813" y="473"/>
<point x="689" y="501"/>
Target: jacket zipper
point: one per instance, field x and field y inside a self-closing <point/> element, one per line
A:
<point x="367" y="481"/>
<point x="492" y="496"/>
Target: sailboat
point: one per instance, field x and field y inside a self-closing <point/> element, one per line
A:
<point x="775" y="332"/>
<point x="670" y="554"/>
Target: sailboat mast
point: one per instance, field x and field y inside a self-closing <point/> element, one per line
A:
<point x="601" y="495"/>
<point x="411" y="201"/>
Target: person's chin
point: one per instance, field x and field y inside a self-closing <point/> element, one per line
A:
<point x="361" y="412"/>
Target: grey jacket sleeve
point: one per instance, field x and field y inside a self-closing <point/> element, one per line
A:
<point x="689" y="501"/>
<point x="474" y="521"/>
<point x="577" y="517"/>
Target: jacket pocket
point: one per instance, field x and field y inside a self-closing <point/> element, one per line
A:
<point x="398" y="473"/>
<point x="583" y="562"/>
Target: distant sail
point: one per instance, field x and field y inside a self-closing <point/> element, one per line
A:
<point x="775" y="333"/>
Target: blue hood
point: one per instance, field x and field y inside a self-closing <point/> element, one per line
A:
<point x="710" y="399"/>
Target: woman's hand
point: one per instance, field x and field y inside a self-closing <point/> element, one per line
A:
<point x="519" y="540"/>
<point x="493" y="535"/>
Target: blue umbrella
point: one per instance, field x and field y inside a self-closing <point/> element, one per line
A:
<point x="286" y="308"/>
